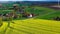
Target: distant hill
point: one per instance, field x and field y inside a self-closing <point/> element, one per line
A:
<point x="31" y="2"/>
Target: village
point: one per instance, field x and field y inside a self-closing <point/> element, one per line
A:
<point x="16" y="13"/>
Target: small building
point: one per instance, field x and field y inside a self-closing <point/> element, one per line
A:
<point x="30" y="15"/>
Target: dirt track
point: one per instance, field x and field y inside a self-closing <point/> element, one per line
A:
<point x="54" y="7"/>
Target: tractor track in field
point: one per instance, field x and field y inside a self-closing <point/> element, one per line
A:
<point x="30" y="29"/>
<point x="46" y="14"/>
<point x="40" y="24"/>
<point x="24" y="27"/>
<point x="55" y="8"/>
<point x="20" y="30"/>
<point x="14" y="29"/>
<point x="6" y="28"/>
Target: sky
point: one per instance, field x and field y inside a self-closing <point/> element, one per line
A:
<point x="29" y="0"/>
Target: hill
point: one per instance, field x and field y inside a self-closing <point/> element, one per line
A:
<point x="32" y="26"/>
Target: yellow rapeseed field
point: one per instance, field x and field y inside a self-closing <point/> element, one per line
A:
<point x="31" y="26"/>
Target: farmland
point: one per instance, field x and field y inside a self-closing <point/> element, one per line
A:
<point x="42" y="23"/>
<point x="32" y="26"/>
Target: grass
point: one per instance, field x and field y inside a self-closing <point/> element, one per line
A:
<point x="5" y="11"/>
<point x="47" y="13"/>
<point x="50" y="15"/>
<point x="41" y="12"/>
<point x="33" y="26"/>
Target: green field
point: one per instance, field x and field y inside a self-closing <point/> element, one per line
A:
<point x="40" y="24"/>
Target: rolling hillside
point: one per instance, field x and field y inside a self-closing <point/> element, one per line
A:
<point x="36" y="25"/>
<point x="41" y="12"/>
<point x="31" y="26"/>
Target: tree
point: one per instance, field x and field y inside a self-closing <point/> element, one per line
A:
<point x="1" y="21"/>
